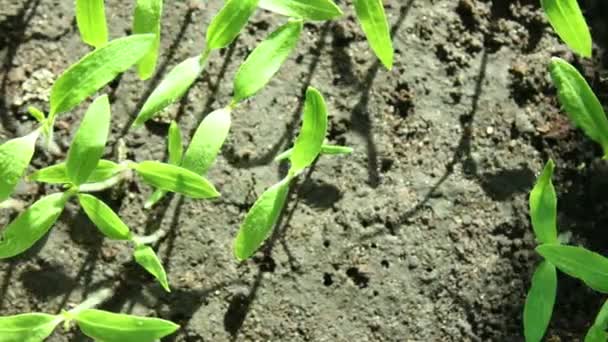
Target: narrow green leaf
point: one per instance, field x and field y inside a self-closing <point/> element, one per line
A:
<point x="58" y="174"/>
<point x="15" y="156"/>
<point x="171" y="88"/>
<point x="176" y="147"/>
<point x="91" y="21"/>
<point x="31" y="225"/>
<point x="90" y="141"/>
<point x="147" y="19"/>
<point x="372" y="18"/>
<point x="175" y="179"/>
<point x="316" y="10"/>
<point x="207" y="141"/>
<point x="228" y="23"/>
<point x="111" y="327"/>
<point x="104" y="218"/>
<point x="97" y="69"/>
<point x="579" y="101"/>
<point x="597" y="332"/>
<point x="325" y="149"/>
<point x="543" y="206"/>
<point x="264" y="62"/>
<point x="31" y="327"/>
<point x="312" y="134"/>
<point x="36" y="113"/>
<point x="145" y="256"/>
<point x="567" y="19"/>
<point x="260" y="220"/>
<point x="579" y="263"/>
<point x="539" y="302"/>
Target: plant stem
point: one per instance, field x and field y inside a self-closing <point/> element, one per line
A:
<point x="92" y="301"/>
<point x="204" y="57"/>
<point x="149" y="239"/>
<point x="108" y="183"/>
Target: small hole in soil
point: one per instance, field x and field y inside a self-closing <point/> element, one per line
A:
<point x="385" y="263"/>
<point x="327" y="279"/>
<point x="376" y="293"/>
<point x="266" y="263"/>
<point x="359" y="278"/>
<point x="326" y="243"/>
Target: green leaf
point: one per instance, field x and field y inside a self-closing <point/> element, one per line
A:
<point x="264" y="62"/>
<point x="15" y="156"/>
<point x="175" y="179"/>
<point x="36" y="113"/>
<point x="207" y="141"/>
<point x="147" y="19"/>
<point x="31" y="225"/>
<point x="145" y="256"/>
<point x="579" y="263"/>
<point x="228" y="23"/>
<point x="312" y="134"/>
<point x="597" y="332"/>
<point x="579" y="101"/>
<point x="111" y="327"/>
<point x="325" y="149"/>
<point x="543" y="206"/>
<point x="539" y="302"/>
<point x="319" y="10"/>
<point x="567" y="19"/>
<point x="91" y="21"/>
<point x="171" y="88"/>
<point x="31" y="327"/>
<point x="104" y="218"/>
<point x="58" y="174"/>
<point x="372" y="18"/>
<point x="176" y="147"/>
<point x="97" y="69"/>
<point x="260" y="220"/>
<point x="90" y="141"/>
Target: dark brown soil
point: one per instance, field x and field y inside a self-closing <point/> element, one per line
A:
<point x="421" y="235"/>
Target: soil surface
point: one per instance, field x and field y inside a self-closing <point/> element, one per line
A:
<point x="421" y="235"/>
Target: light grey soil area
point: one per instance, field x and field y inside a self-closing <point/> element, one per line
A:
<point x="421" y="235"/>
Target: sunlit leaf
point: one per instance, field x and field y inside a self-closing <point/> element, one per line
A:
<point x="31" y="225"/>
<point x="372" y="18"/>
<point x="567" y="19"/>
<point x="90" y="141"/>
<point x="265" y="60"/>
<point x="207" y="141"/>
<point x="597" y="332"/>
<point x="36" y="113"/>
<point x="111" y="327"/>
<point x="15" y="156"/>
<point x="176" y="147"/>
<point x="97" y="69"/>
<point x="104" y="218"/>
<point x="320" y="10"/>
<point x="31" y="327"/>
<point x="175" y="179"/>
<point x="147" y="19"/>
<point x="539" y="302"/>
<point x="543" y="207"/>
<point x="325" y="149"/>
<point x="57" y="174"/>
<point x="145" y="256"/>
<point x="579" y="101"/>
<point x="91" y="21"/>
<point x="227" y="24"/>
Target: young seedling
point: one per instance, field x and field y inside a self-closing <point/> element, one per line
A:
<point x="84" y="172"/>
<point x="567" y="19"/>
<point x="91" y="22"/>
<point x="96" y="324"/>
<point x="579" y="101"/>
<point x="541" y="297"/>
<point x="147" y="19"/>
<point x="265" y="212"/>
<point x="597" y="332"/>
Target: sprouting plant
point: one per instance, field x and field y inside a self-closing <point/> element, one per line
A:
<point x="541" y="297"/>
<point x="264" y="213"/>
<point x="84" y="172"/>
<point x="372" y="18"/>
<point x="567" y="19"/>
<point x="97" y="324"/>
<point x="91" y="21"/>
<point x="147" y="19"/>
<point x="579" y="101"/>
<point x="597" y="332"/>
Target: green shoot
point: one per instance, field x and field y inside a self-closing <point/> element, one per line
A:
<point x="315" y="10"/>
<point x="325" y="149"/>
<point x="543" y="206"/>
<point x="58" y="174"/>
<point x="104" y="218"/>
<point x="567" y="19"/>
<point x="36" y="114"/>
<point x="146" y="258"/>
<point x="265" y="60"/>
<point x="579" y="101"/>
<point x="171" y="88"/>
<point x="15" y="156"/>
<point x="147" y="18"/>
<point x="176" y="147"/>
<point x="579" y="263"/>
<point x="372" y="18"/>
<point x="597" y="332"/>
<point x="95" y="70"/>
<point x="31" y="327"/>
<point x="227" y="24"/>
<point x="175" y="179"/>
<point x="91" y="21"/>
